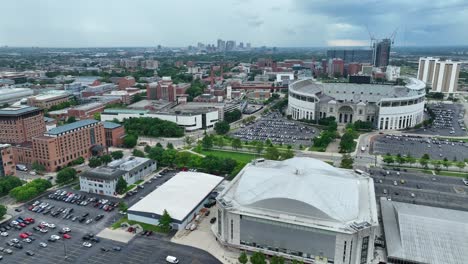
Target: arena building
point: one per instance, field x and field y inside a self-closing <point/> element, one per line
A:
<point x="300" y="208"/>
<point x="387" y="107"/>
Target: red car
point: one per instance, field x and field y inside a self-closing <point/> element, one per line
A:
<point x="30" y="208"/>
<point x="41" y="226"/>
<point x="130" y="229"/>
<point x="67" y="236"/>
<point x="29" y="219"/>
<point x="23" y="235"/>
<point x="28" y="233"/>
<point x="22" y="224"/>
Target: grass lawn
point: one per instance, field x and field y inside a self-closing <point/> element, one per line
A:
<point x="453" y="173"/>
<point x="131" y="186"/>
<point x="145" y="226"/>
<point x="138" y="182"/>
<point x="319" y="149"/>
<point x="76" y="187"/>
<point x="240" y="157"/>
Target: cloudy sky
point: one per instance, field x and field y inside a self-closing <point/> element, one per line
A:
<point x="282" y="23"/>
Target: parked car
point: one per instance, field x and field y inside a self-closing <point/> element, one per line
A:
<point x="87" y="244"/>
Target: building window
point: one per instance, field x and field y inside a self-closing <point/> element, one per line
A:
<point x="219" y="222"/>
<point x="364" y="249"/>
<point x="232" y="229"/>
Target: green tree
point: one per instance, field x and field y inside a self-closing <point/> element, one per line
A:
<point x="97" y="116"/>
<point x="258" y="258"/>
<point x="446" y="163"/>
<point x="78" y="161"/>
<point x="426" y="156"/>
<point x="169" y="145"/>
<point x="410" y="160"/>
<point x="121" y="185"/>
<point x="347" y="143"/>
<point x="7" y="183"/>
<point x="424" y="162"/>
<point x="243" y="258"/>
<point x="297" y="262"/>
<point x="106" y="158"/>
<point x="272" y="153"/>
<point x="123" y="206"/>
<point x="232" y="116"/>
<point x="188" y="140"/>
<point x="3" y="210"/>
<point x="400" y="159"/>
<point x="147" y="148"/>
<point x="259" y="147"/>
<point x="346" y="161"/>
<point x="207" y="142"/>
<point x="165" y="221"/>
<point x="236" y="143"/>
<point x="71" y="119"/>
<point x="156" y="153"/>
<point x="153" y="127"/>
<point x="183" y="158"/>
<point x="138" y="153"/>
<point x="118" y="154"/>
<point x="130" y="141"/>
<point x="276" y="260"/>
<point x="222" y="127"/>
<point x="38" y="167"/>
<point x="287" y="154"/>
<point x="94" y="162"/>
<point x="220" y="142"/>
<point x="388" y="159"/>
<point x="169" y="157"/>
<point x="461" y="165"/>
<point x="66" y="175"/>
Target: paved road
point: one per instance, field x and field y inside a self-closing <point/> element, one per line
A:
<point x="438" y="191"/>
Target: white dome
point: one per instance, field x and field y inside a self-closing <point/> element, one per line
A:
<point x="300" y="187"/>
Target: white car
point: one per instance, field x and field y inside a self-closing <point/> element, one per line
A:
<point x="43" y="230"/>
<point x="87" y="244"/>
<point x="50" y="225"/>
<point x="55" y="237"/>
<point x="14" y="222"/>
<point x="66" y="229"/>
<point x="27" y="240"/>
<point x="4" y="234"/>
<point x="43" y="244"/>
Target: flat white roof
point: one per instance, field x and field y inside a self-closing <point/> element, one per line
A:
<point x="179" y="195"/>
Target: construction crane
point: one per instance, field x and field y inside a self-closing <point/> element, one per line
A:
<point x="393" y="36"/>
<point x="371" y="36"/>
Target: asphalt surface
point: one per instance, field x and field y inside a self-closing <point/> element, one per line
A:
<point x="152" y="249"/>
<point x="418" y="146"/>
<point x="450" y="114"/>
<point x="437" y="191"/>
<point x="279" y="130"/>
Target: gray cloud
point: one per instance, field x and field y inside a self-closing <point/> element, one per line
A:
<point x="183" y="22"/>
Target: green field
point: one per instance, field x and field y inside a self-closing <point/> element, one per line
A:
<point x="131" y="186"/>
<point x="145" y="226"/>
<point x="240" y="157"/>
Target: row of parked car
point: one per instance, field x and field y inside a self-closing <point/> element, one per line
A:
<point x="65" y="213"/>
<point x="83" y="200"/>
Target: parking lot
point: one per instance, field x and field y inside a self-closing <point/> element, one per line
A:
<point x="418" y="188"/>
<point x="448" y="121"/>
<point x="279" y="130"/>
<point x="417" y="146"/>
<point x="141" y="249"/>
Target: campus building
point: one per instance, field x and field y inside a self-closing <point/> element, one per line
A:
<point x="166" y="90"/>
<point x="423" y="234"/>
<point x="388" y="107"/>
<point x="441" y="76"/>
<point x="7" y="164"/>
<point x="103" y="180"/>
<point x="20" y="123"/>
<point x="46" y="101"/>
<point x="300" y="208"/>
<point x="115" y="134"/>
<point x="182" y="196"/>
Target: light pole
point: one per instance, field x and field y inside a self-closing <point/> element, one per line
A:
<point x="65" y="250"/>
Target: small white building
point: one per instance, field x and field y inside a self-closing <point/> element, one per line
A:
<point x="392" y="73"/>
<point x="182" y="197"/>
<point x="103" y="180"/>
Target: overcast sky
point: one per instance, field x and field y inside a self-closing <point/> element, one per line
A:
<point x="281" y="23"/>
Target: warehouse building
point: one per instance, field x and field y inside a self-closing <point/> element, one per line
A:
<point x="182" y="197"/>
<point x="300" y="208"/>
<point x="417" y="234"/>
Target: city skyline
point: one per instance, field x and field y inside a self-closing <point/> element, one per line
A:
<point x="52" y="23"/>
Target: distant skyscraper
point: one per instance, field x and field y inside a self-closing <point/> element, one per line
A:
<point x="221" y="45"/>
<point x="426" y="69"/>
<point x="381" y="53"/>
<point x="446" y="76"/>
<point x="248" y="45"/>
<point x="230" y="45"/>
<point x="241" y="45"/>
<point x="349" y="56"/>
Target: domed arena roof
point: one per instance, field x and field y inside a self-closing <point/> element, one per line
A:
<point x="303" y="187"/>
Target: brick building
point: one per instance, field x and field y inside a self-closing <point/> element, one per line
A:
<point x="354" y="68"/>
<point x="125" y="82"/>
<point x="7" y="164"/>
<point x="115" y="134"/>
<point x="20" y="123"/>
<point x="86" y="111"/>
<point x="63" y="144"/>
<point x="46" y="101"/>
<point x="166" y="90"/>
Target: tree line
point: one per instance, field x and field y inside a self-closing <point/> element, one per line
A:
<point x="153" y="127"/>
<point x="30" y="190"/>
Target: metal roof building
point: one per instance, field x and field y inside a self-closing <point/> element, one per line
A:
<point x="424" y="234"/>
<point x="182" y="196"/>
<point x="299" y="208"/>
